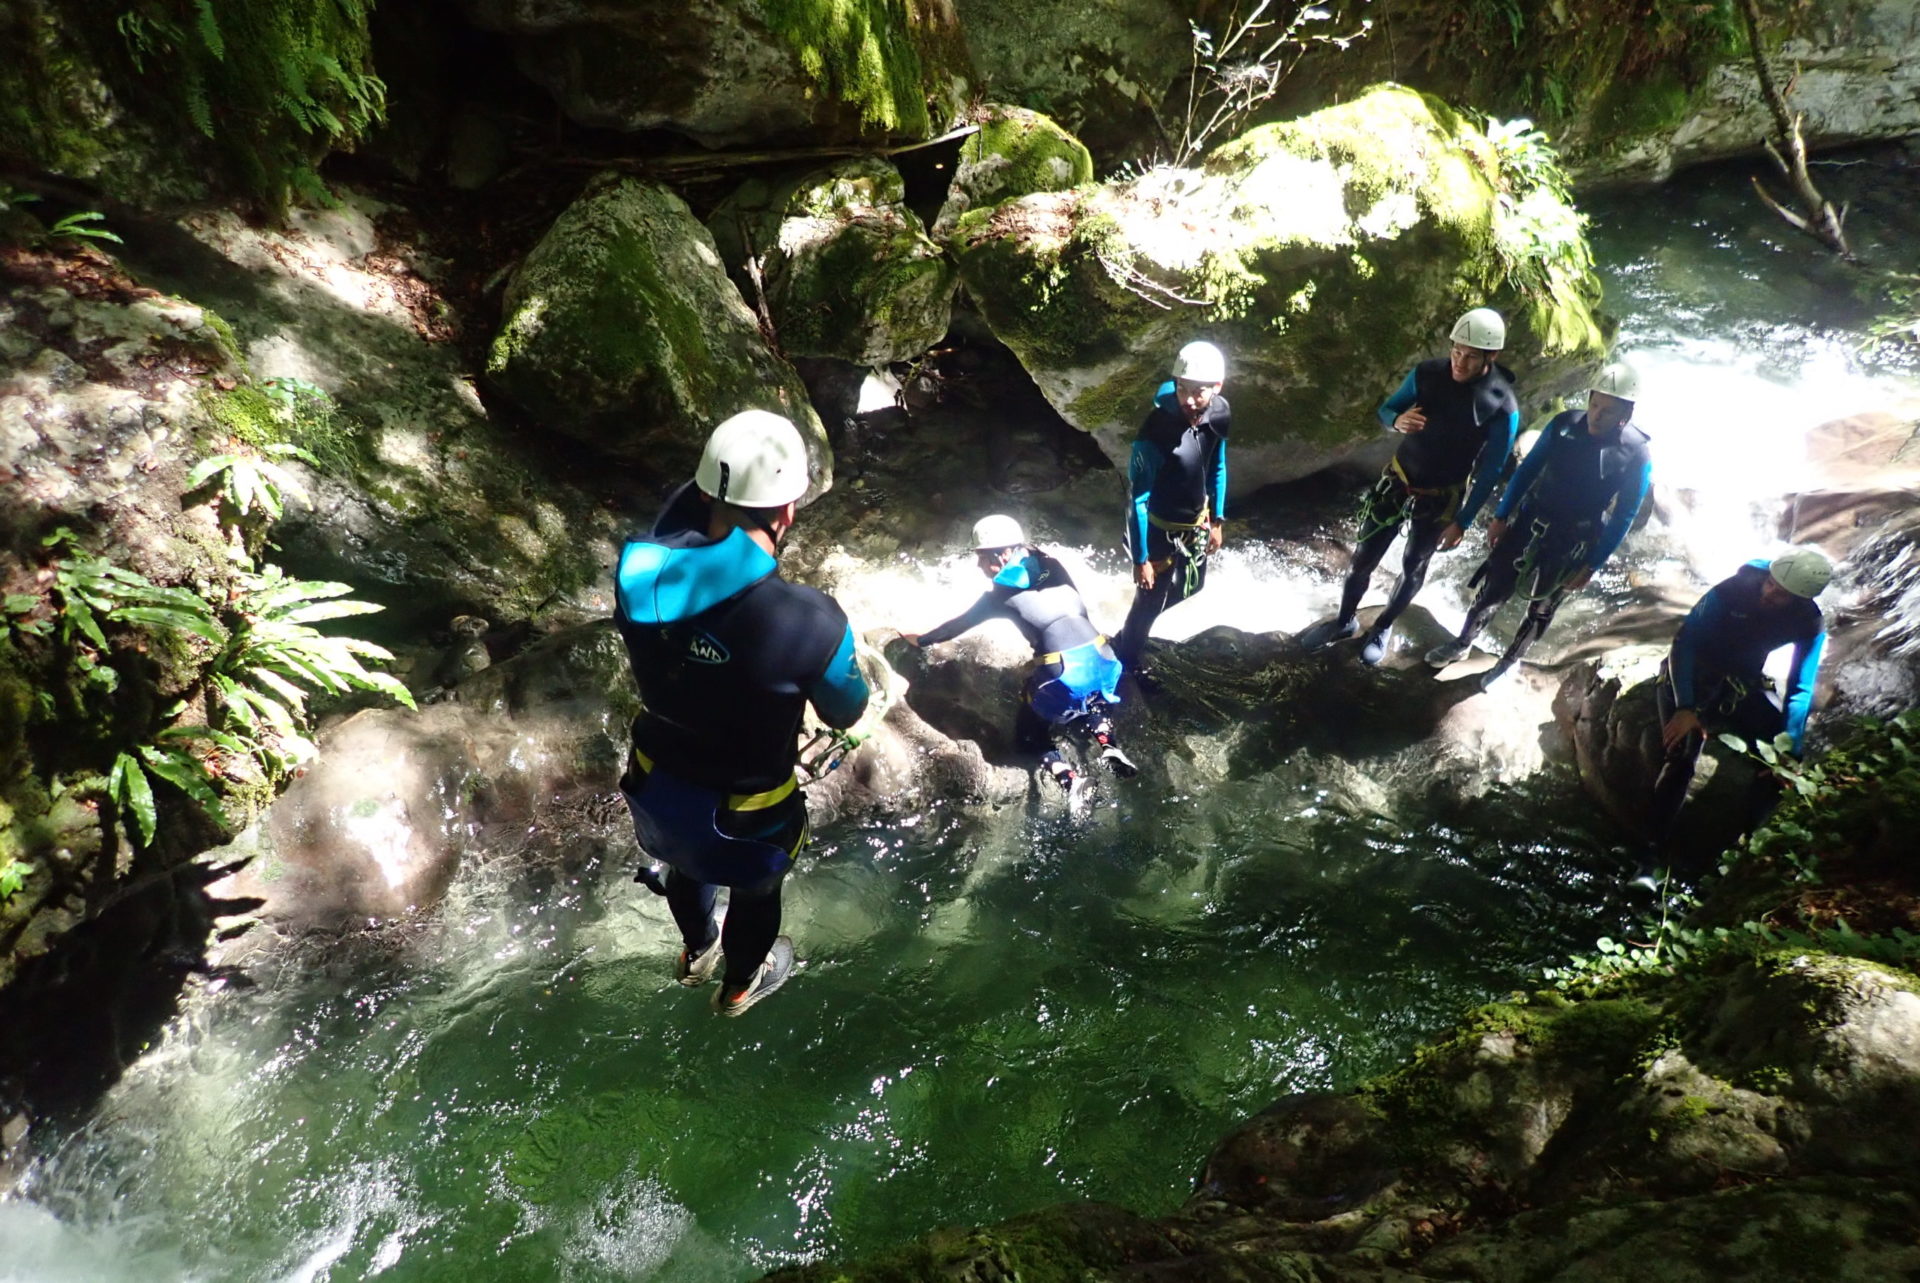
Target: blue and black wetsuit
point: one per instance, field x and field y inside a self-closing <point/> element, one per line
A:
<point x="727" y="655"/>
<point x="1177" y="477"/>
<point x="1570" y="503"/>
<point x="1715" y="669"/>
<point x="1076" y="672"/>
<point x="1469" y="433"/>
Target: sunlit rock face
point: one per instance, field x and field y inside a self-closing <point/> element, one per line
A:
<point x="1310" y="251"/>
<point x="726" y="74"/>
<point x="621" y="329"/>
<point x="1014" y="152"/>
<point x="847" y="269"/>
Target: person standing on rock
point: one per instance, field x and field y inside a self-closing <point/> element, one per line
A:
<point x="728" y="655"/>
<point x="1458" y="416"/>
<point x="1712" y="677"/>
<point x="1552" y="525"/>
<point x="1178" y="479"/>
<point x="1076" y="675"/>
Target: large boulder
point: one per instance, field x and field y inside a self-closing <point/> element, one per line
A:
<point x="1014" y="152"/>
<point x="1326" y="255"/>
<point x="725" y="73"/>
<point x="621" y="329"/>
<point x="847" y="269"/>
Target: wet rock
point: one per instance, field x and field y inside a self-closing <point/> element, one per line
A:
<point x="1016" y="152"/>
<point x="726" y="74"/>
<point x="622" y="330"/>
<point x="1388" y="225"/>
<point x="1304" y="1158"/>
<point x="847" y="269"/>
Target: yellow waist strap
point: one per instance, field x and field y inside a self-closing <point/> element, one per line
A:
<point x="1055" y="656"/>
<point x="735" y="801"/>
<point x="1164" y="524"/>
<point x="1393" y="466"/>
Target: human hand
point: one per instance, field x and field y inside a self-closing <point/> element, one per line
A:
<point x="1410" y="420"/>
<point x="1581" y="578"/>
<point x="1683" y="723"/>
<point x="1216" y="535"/>
<point x="1143" y="575"/>
<point x="911" y="639"/>
<point x="1496" y="530"/>
<point x="1451" y="536"/>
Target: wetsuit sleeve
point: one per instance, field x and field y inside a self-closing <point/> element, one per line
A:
<point x="840" y="696"/>
<point x="1143" y="469"/>
<point x="1486" y="469"/>
<point x="1217" y="482"/>
<point x="1798" y="700"/>
<point x="1626" y="506"/>
<point x="1525" y="475"/>
<point x="975" y="615"/>
<point x="1399" y="403"/>
<point x="1708" y="615"/>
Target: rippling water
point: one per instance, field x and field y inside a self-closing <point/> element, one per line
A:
<point x="999" y="1008"/>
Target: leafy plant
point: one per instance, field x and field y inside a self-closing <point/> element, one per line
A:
<point x="13" y="876"/>
<point x="1235" y="73"/>
<point x="1540" y="239"/>
<point x="75" y="226"/>
<point x="249" y="483"/>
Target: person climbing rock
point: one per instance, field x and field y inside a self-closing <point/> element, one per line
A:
<point x="1178" y="479"/>
<point x="1712" y="680"/>
<point x="1458" y="415"/>
<point x="727" y="655"/>
<point x="1570" y="503"/>
<point x="1076" y="675"/>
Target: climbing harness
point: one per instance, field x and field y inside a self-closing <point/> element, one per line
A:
<point x="1564" y="566"/>
<point x="1191" y="538"/>
<point x="1393" y="499"/>
<point x="821" y="755"/>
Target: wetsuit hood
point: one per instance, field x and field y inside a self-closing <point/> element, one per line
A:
<point x="664" y="578"/>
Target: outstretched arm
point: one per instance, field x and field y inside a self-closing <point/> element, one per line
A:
<point x="975" y="615"/>
<point x="1798" y="700"/>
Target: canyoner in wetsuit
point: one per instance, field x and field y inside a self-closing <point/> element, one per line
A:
<point x="728" y="655"/>
<point x="1177" y="476"/>
<point x="1569" y="504"/>
<point x="1713" y="677"/>
<point x="1076" y="675"/>
<point x="1459" y="416"/>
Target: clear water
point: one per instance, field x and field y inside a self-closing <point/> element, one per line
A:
<point x="1000" y="1008"/>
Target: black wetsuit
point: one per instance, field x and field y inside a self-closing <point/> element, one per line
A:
<point x="1077" y="670"/>
<point x="727" y="655"/>
<point x="1177" y="475"/>
<point x="1469" y="432"/>
<point x="1554" y="506"/>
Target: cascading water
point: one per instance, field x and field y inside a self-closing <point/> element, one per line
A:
<point x="1001" y="1007"/>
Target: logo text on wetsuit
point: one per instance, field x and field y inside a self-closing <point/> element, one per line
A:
<point x="705" y="650"/>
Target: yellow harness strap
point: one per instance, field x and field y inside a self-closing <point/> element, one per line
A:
<point x="1163" y="524"/>
<point x="1055" y="656"/>
<point x="736" y="801"/>
<point x="1393" y="466"/>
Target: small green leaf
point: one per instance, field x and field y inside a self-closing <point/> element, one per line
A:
<point x="208" y="467"/>
<point x="136" y="794"/>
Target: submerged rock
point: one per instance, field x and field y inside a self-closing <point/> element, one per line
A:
<point x="621" y="329"/>
<point x="1326" y="255"/>
<point x="847" y="268"/>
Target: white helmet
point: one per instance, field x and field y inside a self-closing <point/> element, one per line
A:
<point x="1481" y="328"/>
<point x="1200" y="362"/>
<point x="997" y="531"/>
<point x="1617" y="379"/>
<point x="756" y="459"/>
<point x="1802" y="571"/>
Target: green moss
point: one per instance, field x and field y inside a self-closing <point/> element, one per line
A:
<point x="1035" y="153"/>
<point x="246" y="413"/>
<point x="878" y="56"/>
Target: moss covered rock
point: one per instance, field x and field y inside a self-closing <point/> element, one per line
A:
<point x="847" y="268"/>
<point x="1015" y="153"/>
<point x="1325" y="255"/>
<point x="621" y="329"/>
<point x="726" y="73"/>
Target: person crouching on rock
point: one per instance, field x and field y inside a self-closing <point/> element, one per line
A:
<point x="1712" y="679"/>
<point x="1458" y="416"/>
<point x="1177" y="474"/>
<point x="728" y="655"/>
<point x="1549" y="525"/>
<point x="1076" y="675"/>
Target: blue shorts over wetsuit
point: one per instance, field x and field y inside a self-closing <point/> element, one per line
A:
<point x="1077" y="673"/>
<point x="1469" y="432"/>
<point x="1715" y="669"/>
<point x="1177" y="475"/>
<point x="727" y="656"/>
